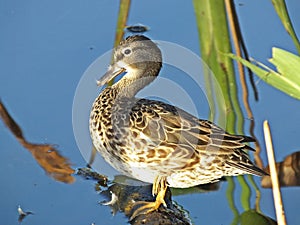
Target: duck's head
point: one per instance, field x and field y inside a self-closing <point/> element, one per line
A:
<point x="138" y="57"/>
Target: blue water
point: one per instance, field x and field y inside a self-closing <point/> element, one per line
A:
<point x="45" y="49"/>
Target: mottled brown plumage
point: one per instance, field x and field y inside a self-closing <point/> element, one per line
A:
<point x="156" y="142"/>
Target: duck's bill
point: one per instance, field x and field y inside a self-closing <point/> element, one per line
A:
<point x="111" y="73"/>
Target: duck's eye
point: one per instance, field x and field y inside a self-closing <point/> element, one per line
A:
<point x="127" y="51"/>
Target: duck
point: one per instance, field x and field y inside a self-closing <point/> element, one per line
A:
<point x="154" y="141"/>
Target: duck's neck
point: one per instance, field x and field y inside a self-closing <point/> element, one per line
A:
<point x="134" y="81"/>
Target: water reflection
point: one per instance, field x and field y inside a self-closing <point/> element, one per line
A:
<point x="121" y="194"/>
<point x="46" y="155"/>
<point x="121" y="197"/>
<point x="288" y="172"/>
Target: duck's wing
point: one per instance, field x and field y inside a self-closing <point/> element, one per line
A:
<point x="175" y="133"/>
<point x="164" y="123"/>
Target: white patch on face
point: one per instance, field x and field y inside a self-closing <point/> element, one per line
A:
<point x="130" y="71"/>
<point x="121" y="64"/>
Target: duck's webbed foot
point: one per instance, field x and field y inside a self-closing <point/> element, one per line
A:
<point x="159" y="189"/>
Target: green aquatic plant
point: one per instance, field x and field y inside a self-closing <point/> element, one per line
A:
<point x="287" y="76"/>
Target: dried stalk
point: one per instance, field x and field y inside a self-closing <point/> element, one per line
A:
<point x="274" y="177"/>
